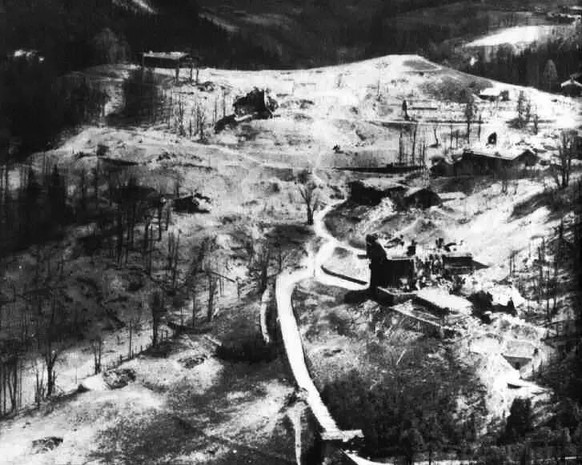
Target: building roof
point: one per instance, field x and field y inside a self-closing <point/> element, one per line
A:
<point x="170" y="56"/>
<point x="442" y="299"/>
<point x="449" y="196"/>
<point x="491" y="92"/>
<point x="570" y="83"/>
<point x="416" y="190"/>
<point x="382" y="184"/>
<point x="342" y="435"/>
<point x="508" y="154"/>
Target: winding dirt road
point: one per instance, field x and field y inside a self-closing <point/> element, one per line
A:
<point x="285" y="285"/>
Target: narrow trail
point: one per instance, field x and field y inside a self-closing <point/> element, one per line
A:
<point x="285" y="285"/>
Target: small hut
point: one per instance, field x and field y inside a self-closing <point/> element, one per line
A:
<point x="170" y="60"/>
<point x="571" y="87"/>
<point x="477" y="161"/>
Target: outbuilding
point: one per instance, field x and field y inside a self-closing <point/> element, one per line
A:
<point x="488" y="161"/>
<point x="571" y="87"/>
<point x="170" y="60"/>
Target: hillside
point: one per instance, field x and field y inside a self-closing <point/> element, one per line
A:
<point x="214" y="393"/>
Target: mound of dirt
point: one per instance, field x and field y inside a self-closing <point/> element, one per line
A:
<point x="119" y="378"/>
<point x="40" y="446"/>
<point x="193" y="360"/>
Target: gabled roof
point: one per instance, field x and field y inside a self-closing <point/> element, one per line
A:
<point x="491" y="92"/>
<point x="170" y="56"/>
<point x="442" y="299"/>
<point x="570" y="83"/>
<point x="383" y="184"/>
<point x="507" y="154"/>
<point x="447" y="196"/>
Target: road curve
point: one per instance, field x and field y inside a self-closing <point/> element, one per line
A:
<point x="285" y="285"/>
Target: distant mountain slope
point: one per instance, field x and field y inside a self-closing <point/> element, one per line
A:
<point x="136" y="6"/>
<point x="322" y="32"/>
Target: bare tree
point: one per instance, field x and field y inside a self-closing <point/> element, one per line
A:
<point x="157" y="309"/>
<point x="10" y="375"/>
<point x="198" y="258"/>
<point x="39" y="386"/>
<point x="200" y="119"/>
<point x="259" y="270"/>
<point x="51" y="349"/>
<point x="309" y="194"/>
<point x="536" y="123"/>
<point x="563" y="168"/>
<point x="435" y="128"/>
<point x="212" y="286"/>
<point x="134" y="324"/>
<point x="97" y="350"/>
<point x="470" y="113"/>
<point x="172" y="258"/>
<point x="523" y="110"/>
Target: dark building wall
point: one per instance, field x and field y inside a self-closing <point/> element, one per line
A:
<point x="424" y="198"/>
<point x="390" y="271"/>
<point x="364" y="194"/>
<point x="458" y="263"/>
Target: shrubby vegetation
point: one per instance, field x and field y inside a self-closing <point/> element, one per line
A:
<point x="409" y="409"/>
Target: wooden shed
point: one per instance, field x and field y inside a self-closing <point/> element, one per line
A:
<point x="571" y="87"/>
<point x="458" y="263"/>
<point x="487" y="161"/>
<point x="170" y="60"/>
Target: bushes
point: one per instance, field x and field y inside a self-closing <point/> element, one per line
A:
<point x="251" y="350"/>
<point x="519" y="421"/>
<point x="406" y="407"/>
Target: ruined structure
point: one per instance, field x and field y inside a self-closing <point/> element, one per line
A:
<point x="372" y="191"/>
<point x="257" y="103"/>
<point x="407" y="268"/>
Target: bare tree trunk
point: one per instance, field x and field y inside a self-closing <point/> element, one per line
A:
<point x="157" y="308"/>
<point x="211" y="293"/>
<point x="97" y="349"/>
<point x="193" y="307"/>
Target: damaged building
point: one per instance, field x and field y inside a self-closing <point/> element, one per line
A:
<point x="372" y="191"/>
<point x="403" y="267"/>
<point x="257" y="103"/>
